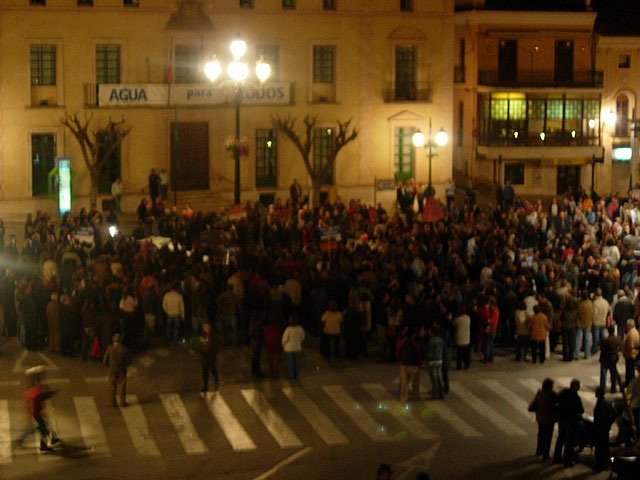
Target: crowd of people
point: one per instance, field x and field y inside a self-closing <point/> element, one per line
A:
<point x="518" y="272"/>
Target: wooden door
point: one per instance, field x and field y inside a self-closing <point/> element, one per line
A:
<point x="190" y="156"/>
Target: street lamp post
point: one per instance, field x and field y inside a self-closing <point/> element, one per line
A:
<point x="238" y="71"/>
<point x="440" y="140"/>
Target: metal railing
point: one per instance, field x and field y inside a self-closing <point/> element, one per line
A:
<point x="552" y="139"/>
<point x="407" y="92"/>
<point x="540" y="78"/>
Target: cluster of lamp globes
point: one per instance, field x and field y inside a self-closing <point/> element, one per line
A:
<point x="440" y="139"/>
<point x="237" y="70"/>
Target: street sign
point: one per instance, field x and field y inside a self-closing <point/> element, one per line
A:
<point x="386" y="184"/>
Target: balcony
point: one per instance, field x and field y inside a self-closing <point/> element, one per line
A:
<point x="458" y="74"/>
<point x="551" y="139"/>
<point x="541" y="78"/>
<point x="407" y="92"/>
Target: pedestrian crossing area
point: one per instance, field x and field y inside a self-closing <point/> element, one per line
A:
<point x="276" y="415"/>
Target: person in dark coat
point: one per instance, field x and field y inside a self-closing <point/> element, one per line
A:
<point x="545" y="406"/>
<point x="568" y="319"/>
<point x="67" y="324"/>
<point x="117" y="358"/>
<point x="603" y="417"/>
<point x="609" y="349"/>
<point x="208" y="346"/>
<point x="154" y="186"/>
<point x="569" y="411"/>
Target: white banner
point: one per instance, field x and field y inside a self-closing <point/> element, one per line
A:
<point x="182" y="94"/>
<point x="133" y="95"/>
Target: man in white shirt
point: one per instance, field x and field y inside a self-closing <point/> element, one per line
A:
<point x="292" y="339"/>
<point x="462" y="339"/>
<point x="173" y="306"/>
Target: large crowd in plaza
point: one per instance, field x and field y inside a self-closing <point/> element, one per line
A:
<point x="423" y="285"/>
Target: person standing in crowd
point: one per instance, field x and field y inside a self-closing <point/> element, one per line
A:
<point x="67" y="327"/>
<point x="462" y="338"/>
<point x="450" y="191"/>
<point x="584" y="322"/>
<point x="434" y="350"/>
<point x="545" y="406"/>
<point x="209" y="343"/>
<point x="538" y="326"/>
<point x="116" y="194"/>
<point x="609" y="349"/>
<point x="569" y="411"/>
<point x="164" y="184"/>
<point x="256" y="339"/>
<point x="117" y="358"/>
<point x="128" y="306"/>
<point x="173" y="306"/>
<point x="273" y="346"/>
<point x="601" y="310"/>
<point x="633" y="397"/>
<point x="622" y="311"/>
<point x="409" y="354"/>
<point x="522" y="332"/>
<point x="227" y="313"/>
<point x="508" y="195"/>
<point x="55" y="325"/>
<point x="295" y="192"/>
<point x="603" y="417"/>
<point x="331" y="327"/>
<point x="292" y="339"/>
<point x="489" y="331"/>
<point x="154" y="186"/>
<point x="568" y="321"/>
<point x="630" y="347"/>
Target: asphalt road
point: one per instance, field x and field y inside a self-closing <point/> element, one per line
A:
<point x="338" y="421"/>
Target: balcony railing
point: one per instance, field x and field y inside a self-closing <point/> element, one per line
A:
<point x="407" y="92"/>
<point x="458" y="74"/>
<point x="551" y="139"/>
<point x="541" y="78"/>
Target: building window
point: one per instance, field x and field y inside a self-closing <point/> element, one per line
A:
<point x="110" y="169"/>
<point x="624" y="60"/>
<point x="405" y="72"/>
<point x="43" y="160"/>
<point x="288" y="4"/>
<point x="406" y="5"/>
<point x="85" y="3"/>
<point x="107" y="64"/>
<point x="270" y="54"/>
<point x="43" y="65"/>
<point x="323" y="63"/>
<point x="266" y="158"/>
<point x="246" y="3"/>
<point x="186" y="66"/>
<point x="460" y="124"/>
<point x="38" y="2"/>
<point x="322" y="147"/>
<point x="131" y="3"/>
<point x="329" y="4"/>
<point x="622" y="116"/>
<point x="514" y="172"/>
<point x="403" y="153"/>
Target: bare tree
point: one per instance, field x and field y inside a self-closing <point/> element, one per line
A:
<point x="304" y="141"/>
<point x="109" y="137"/>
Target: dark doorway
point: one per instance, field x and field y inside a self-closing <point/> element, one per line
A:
<point x="563" y="73"/>
<point x="568" y="179"/>
<point x="190" y="156"/>
<point x="508" y="61"/>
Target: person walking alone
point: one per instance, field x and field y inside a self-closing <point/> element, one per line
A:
<point x="292" y="339"/>
<point x="569" y="411"/>
<point x="603" y="417"/>
<point x="117" y="358"/>
<point x="545" y="406"/>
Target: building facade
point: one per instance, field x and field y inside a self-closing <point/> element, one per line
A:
<point x="385" y="64"/>
<point x="527" y="99"/>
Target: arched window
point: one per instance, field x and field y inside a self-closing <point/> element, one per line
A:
<point x="622" y="116"/>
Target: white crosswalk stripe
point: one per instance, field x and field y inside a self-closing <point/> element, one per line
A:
<point x="356" y="413"/>
<point x="5" y="433"/>
<point x="396" y="408"/>
<point x="520" y="405"/>
<point x="182" y="423"/>
<point x="91" y="426"/>
<point x="138" y="429"/>
<point x="486" y="410"/>
<point x="456" y="422"/>
<point x="323" y="426"/>
<point x="273" y="422"/>
<point x="532" y="384"/>
<point x="231" y="427"/>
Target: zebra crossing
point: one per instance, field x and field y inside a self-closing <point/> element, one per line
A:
<point x="283" y="415"/>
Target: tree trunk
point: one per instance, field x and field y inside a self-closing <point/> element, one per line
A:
<point x="316" y="186"/>
<point x="93" y="191"/>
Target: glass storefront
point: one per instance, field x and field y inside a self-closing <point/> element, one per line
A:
<point x="558" y="119"/>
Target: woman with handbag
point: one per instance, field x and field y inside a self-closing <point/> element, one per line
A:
<point x="545" y="406"/>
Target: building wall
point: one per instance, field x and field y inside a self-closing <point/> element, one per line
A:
<point x="365" y="33"/>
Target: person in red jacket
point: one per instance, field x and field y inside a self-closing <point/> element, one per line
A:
<point x="34" y="398"/>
